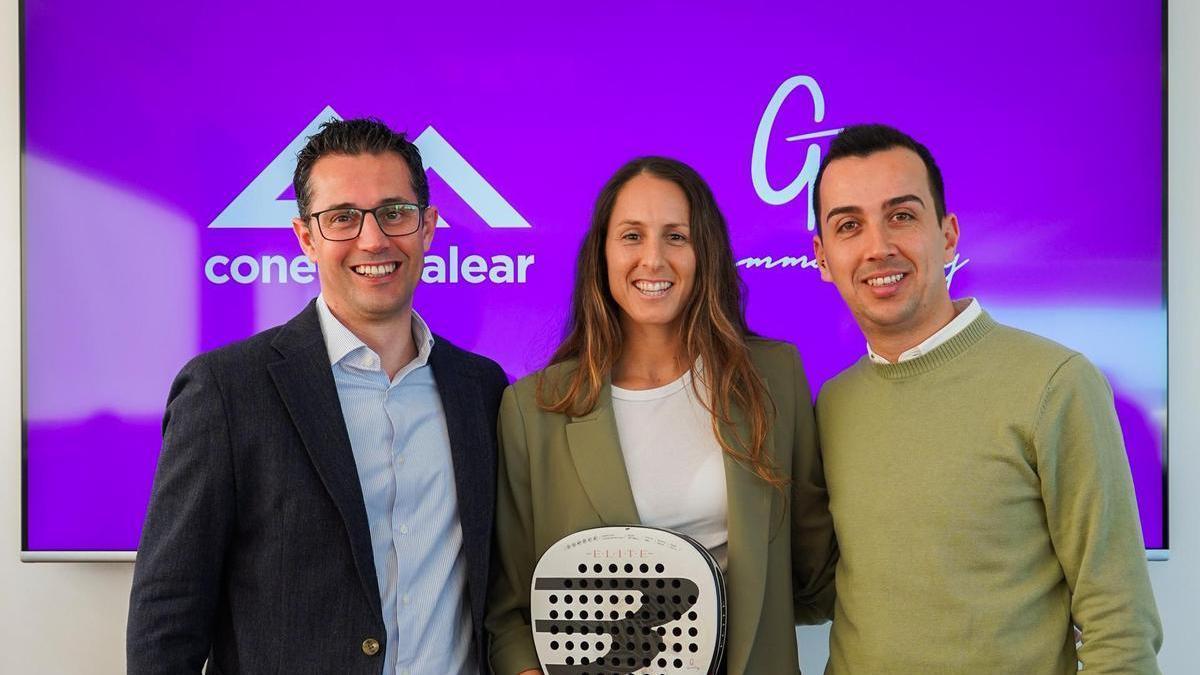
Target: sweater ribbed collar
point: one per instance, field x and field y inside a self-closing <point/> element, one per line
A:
<point x="944" y="353"/>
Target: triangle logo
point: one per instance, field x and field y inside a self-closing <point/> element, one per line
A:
<point x="258" y="205"/>
<point x="268" y="201"/>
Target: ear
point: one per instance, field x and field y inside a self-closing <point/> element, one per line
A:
<point x="431" y="221"/>
<point x="950" y="232"/>
<point x="304" y="235"/>
<point x="819" y="254"/>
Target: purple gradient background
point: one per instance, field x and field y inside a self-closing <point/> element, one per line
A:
<point x="1046" y="120"/>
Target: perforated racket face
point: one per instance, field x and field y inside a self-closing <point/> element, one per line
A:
<point x="627" y="600"/>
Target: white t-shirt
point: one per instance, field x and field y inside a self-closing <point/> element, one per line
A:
<point x="676" y="467"/>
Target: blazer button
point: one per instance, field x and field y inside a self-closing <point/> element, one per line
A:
<point x="370" y="646"/>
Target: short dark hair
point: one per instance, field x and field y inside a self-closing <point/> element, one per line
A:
<point x="361" y="136"/>
<point x="861" y="140"/>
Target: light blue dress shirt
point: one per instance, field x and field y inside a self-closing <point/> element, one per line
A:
<point x="401" y="449"/>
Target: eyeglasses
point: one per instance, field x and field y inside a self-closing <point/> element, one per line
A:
<point x="396" y="220"/>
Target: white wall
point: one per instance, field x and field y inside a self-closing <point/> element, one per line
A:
<point x="70" y="617"/>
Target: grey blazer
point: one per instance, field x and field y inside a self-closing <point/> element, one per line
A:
<point x="256" y="555"/>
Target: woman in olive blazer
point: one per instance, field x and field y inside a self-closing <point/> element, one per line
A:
<point x="656" y="231"/>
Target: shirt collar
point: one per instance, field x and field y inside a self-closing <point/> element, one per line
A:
<point x="964" y="319"/>
<point x="340" y="343"/>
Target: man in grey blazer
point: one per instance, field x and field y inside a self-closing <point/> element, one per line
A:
<point x="323" y="500"/>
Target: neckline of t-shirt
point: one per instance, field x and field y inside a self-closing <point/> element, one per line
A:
<point x="655" y="393"/>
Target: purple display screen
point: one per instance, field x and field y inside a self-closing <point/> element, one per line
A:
<point x="159" y="143"/>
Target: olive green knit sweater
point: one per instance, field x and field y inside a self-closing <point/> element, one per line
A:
<point x="982" y="501"/>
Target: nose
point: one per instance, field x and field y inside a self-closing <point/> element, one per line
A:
<point x="879" y="245"/>
<point x="372" y="238"/>
<point x="653" y="253"/>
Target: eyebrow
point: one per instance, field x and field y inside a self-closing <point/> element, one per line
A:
<point x="383" y="202"/>
<point x="638" y="223"/>
<point x="837" y="211"/>
<point x="894" y="201"/>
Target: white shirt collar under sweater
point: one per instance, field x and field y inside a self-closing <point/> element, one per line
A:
<point x="964" y="318"/>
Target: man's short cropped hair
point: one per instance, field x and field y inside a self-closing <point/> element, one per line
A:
<point x="363" y="136"/>
<point x="861" y="140"/>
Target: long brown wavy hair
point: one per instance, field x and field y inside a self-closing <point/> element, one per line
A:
<point x="714" y="326"/>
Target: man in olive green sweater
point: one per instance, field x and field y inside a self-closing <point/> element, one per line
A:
<point x="977" y="477"/>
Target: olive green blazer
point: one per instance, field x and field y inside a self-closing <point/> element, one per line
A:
<point x="561" y="474"/>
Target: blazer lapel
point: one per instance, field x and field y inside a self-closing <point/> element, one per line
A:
<point x="304" y="379"/>
<point x="749" y="524"/>
<point x="467" y="424"/>
<point x="596" y="451"/>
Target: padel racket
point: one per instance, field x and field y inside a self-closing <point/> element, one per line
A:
<point x="618" y="600"/>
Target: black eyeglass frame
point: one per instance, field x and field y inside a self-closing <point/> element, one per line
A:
<point x="316" y="216"/>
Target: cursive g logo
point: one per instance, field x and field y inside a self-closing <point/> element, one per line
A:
<point x="812" y="159"/>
